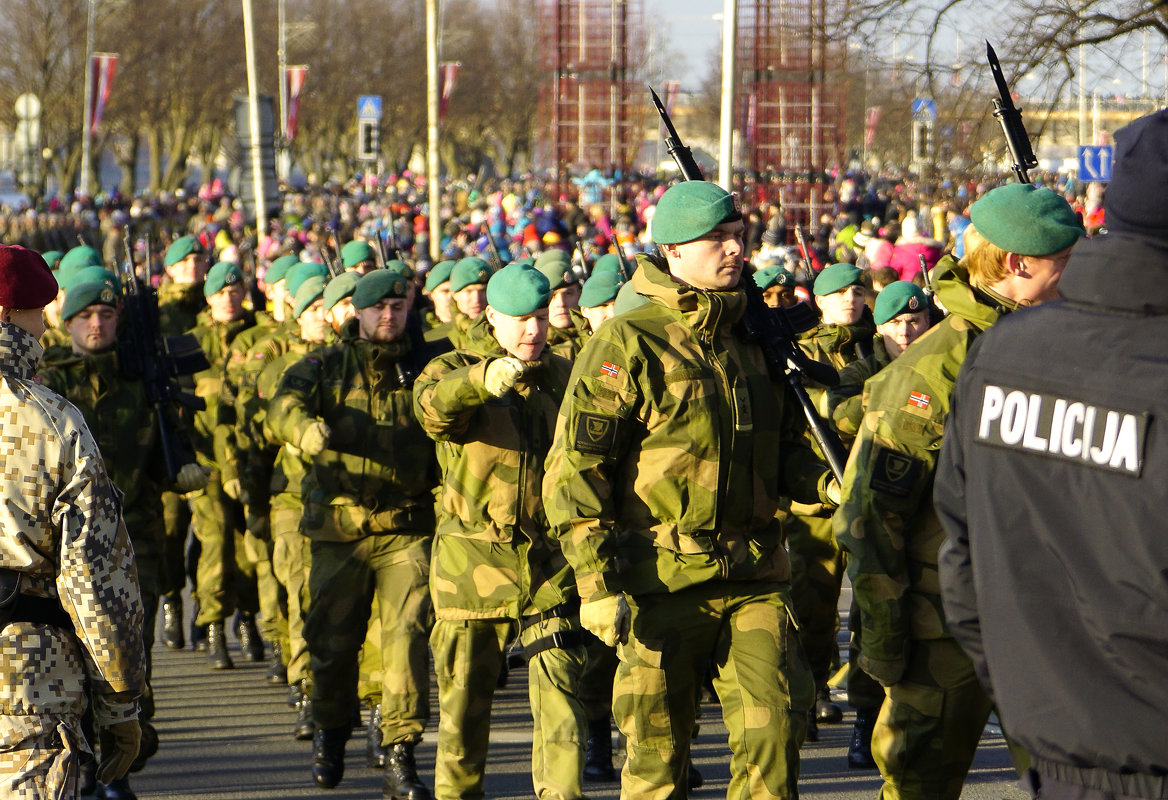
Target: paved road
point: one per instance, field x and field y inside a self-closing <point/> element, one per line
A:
<point x="227" y="736"/>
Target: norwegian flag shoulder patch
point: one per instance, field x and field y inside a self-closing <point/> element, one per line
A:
<point x="610" y="369"/>
<point x="919" y="399"/>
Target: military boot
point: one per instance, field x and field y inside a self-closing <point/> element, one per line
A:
<point x="826" y="711"/>
<point x="217" y="655"/>
<point x="115" y="790"/>
<point x="198" y="632"/>
<point x="277" y="674"/>
<point x="376" y="753"/>
<point x="598" y="752"/>
<point x="172" y="622"/>
<point x="328" y="756"/>
<point x="401" y="775"/>
<point x="305" y="727"/>
<point x="812" y="727"/>
<point x="251" y="644"/>
<point x="860" y="747"/>
<point x="693" y="778"/>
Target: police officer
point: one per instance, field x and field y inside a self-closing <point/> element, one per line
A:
<point x="492" y="409"/>
<point x="929" y="726"/>
<point x="72" y="611"/>
<point x="368" y="509"/>
<point x="672" y="451"/>
<point x="1054" y="464"/>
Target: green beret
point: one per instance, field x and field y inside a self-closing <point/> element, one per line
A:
<point x="309" y="292"/>
<point x="302" y="272"/>
<point x="339" y="288"/>
<point x="767" y="277"/>
<point x="180" y="248"/>
<point x="90" y="275"/>
<point x="526" y="260"/>
<point x="599" y="289"/>
<point x="898" y="298"/>
<point x="52" y="258"/>
<point x="355" y="252"/>
<point x="377" y="285"/>
<point x="468" y="271"/>
<point x="78" y="258"/>
<point x="278" y="269"/>
<point x="518" y="290"/>
<point x="222" y="275"/>
<point x="1027" y="220"/>
<point x="627" y="299"/>
<point x="692" y="209"/>
<point x="438" y="275"/>
<point x="400" y="267"/>
<point x="556" y="266"/>
<point x="80" y="296"/>
<point x="609" y="262"/>
<point x="837" y="277"/>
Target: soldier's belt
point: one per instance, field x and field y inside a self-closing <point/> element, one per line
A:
<point x="17" y="607"/>
<point x="561" y="640"/>
<point x="558" y="612"/>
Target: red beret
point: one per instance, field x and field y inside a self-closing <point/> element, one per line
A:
<point x="25" y="279"/>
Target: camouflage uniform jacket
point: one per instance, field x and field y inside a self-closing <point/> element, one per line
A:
<point x="492" y="451"/>
<point x="886" y="520"/>
<point x="60" y="527"/>
<point x="567" y="342"/>
<point x="673" y="448"/>
<point x="289" y="468"/>
<point x="843" y="401"/>
<point x="378" y="472"/>
<point x="214" y="437"/>
<point x="179" y="305"/>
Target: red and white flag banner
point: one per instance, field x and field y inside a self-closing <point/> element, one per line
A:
<point x="101" y="73"/>
<point x="447" y="74"/>
<point x="294" y="78"/>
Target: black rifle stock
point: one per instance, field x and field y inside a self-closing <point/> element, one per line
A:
<point x="771" y="329"/>
<point x="492" y="250"/>
<point x="145" y="354"/>
<point x="1010" y="119"/>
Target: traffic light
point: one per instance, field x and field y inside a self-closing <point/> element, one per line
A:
<point x="368" y="140"/>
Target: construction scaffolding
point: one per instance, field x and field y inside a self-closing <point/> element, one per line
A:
<point x="793" y="89"/>
<point x="592" y="120"/>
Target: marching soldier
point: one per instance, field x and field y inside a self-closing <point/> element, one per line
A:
<point x="934" y="712"/>
<point x="468" y="292"/>
<point x="564" y="339"/>
<point x="369" y="511"/>
<point x="71" y="604"/>
<point x="492" y="410"/>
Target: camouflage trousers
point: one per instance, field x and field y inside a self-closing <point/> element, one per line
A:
<point x="273" y="604"/>
<point x="40" y="757"/>
<point x="817" y="573"/>
<point x="341" y="583"/>
<point x="468" y="657"/>
<point x="864" y="692"/>
<point x="291" y="558"/>
<point x="176" y="522"/>
<point x="760" y="674"/>
<point x="929" y="727"/>
<point x="226" y="578"/>
<point x="369" y="673"/>
<point x="596" y="682"/>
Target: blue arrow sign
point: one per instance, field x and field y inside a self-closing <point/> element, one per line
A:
<point x="1095" y="162"/>
<point x="369" y="106"/>
<point x="924" y="109"/>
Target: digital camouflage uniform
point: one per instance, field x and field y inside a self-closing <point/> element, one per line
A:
<point x="672" y="451"/>
<point x="494" y="566"/>
<point x="124" y="424"/>
<point x="178" y="309"/>
<point x="817" y="567"/>
<point x="369" y="511"/>
<point x="226" y="578"/>
<point x="928" y="730"/>
<point x="60" y="527"/>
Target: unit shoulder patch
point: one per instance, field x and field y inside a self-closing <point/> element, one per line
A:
<point x="894" y="473"/>
<point x="595" y="433"/>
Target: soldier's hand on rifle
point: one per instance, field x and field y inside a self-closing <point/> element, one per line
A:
<point x="191" y="477"/>
<point x="502" y="373"/>
<point x="608" y="618"/>
<point x="314" y="440"/>
<point x="119" y="747"/>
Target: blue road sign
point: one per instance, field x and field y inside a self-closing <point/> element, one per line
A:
<point x="924" y="109"/>
<point x="1095" y="162"/>
<point x="369" y="106"/>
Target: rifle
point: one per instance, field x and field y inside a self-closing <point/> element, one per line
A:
<point x="145" y="354"/>
<point x="771" y="329"/>
<point x="394" y="244"/>
<point x="492" y="250"/>
<point x="330" y="263"/>
<point x="804" y="256"/>
<point x="1010" y="119"/>
<point x="578" y="246"/>
<point x="925" y="274"/>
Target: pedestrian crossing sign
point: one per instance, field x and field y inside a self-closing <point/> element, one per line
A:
<point x="369" y="106"/>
